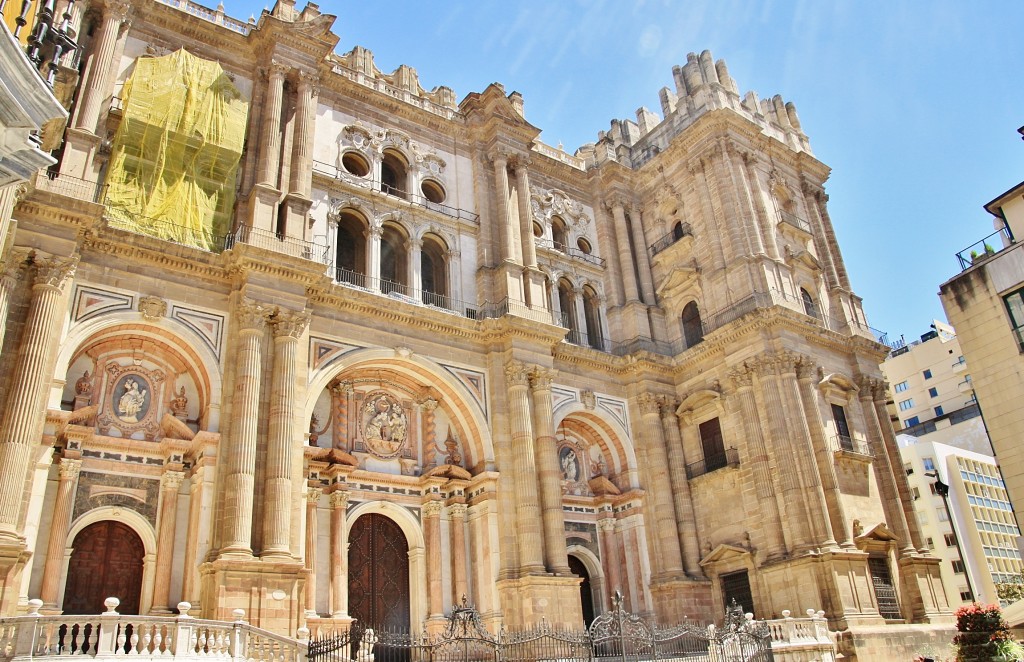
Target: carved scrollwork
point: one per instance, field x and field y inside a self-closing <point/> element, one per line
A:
<point x="288" y="323"/>
<point x="516" y="373"/>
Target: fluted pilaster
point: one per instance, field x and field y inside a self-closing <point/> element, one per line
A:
<point x="313" y="495"/>
<point x="686" y="521"/>
<point x="548" y="472"/>
<point x="270" y="137"/>
<point x="643" y="260"/>
<point x="96" y="87"/>
<point x="60" y="524"/>
<point x="169" y="484"/>
<point x="9" y="278"/>
<point x="302" y="142"/>
<point x="668" y="564"/>
<point x="629" y="286"/>
<point x="457" y="529"/>
<point x="24" y="414"/>
<point x="432" y="541"/>
<point x="339" y="555"/>
<point x="528" y="512"/>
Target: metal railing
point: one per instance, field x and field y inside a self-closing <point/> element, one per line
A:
<point x="847" y="444"/>
<point x="68" y="186"/>
<point x="795" y="221"/>
<point x="272" y="241"/>
<point x="985" y="248"/>
<point x="571" y="252"/>
<point x="373" y="184"/>
<point x="730" y="457"/>
<point x="684" y="230"/>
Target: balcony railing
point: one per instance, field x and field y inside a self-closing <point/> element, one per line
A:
<point x="842" y="443"/>
<point x="68" y="186"/>
<point x="272" y="241"/>
<point x="571" y="252"/>
<point x="730" y="457"/>
<point x="684" y="230"/>
<point x="985" y="248"/>
<point x="795" y="221"/>
<point x="376" y="185"/>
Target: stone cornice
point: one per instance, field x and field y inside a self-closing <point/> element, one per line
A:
<point x="243" y="259"/>
<point x="165" y="256"/>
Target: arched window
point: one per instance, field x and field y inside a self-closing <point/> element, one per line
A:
<point x="559" y="234"/>
<point x="592" y="317"/>
<point x="393" y="174"/>
<point x="677" y="231"/>
<point x="434" y="271"/>
<point x="567" y="302"/>
<point x="350" y="259"/>
<point x="584" y="246"/>
<point x="354" y="163"/>
<point x="809" y="306"/>
<point x="693" y="329"/>
<point x="394" y="261"/>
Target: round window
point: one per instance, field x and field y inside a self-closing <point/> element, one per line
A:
<point x="355" y="164"/>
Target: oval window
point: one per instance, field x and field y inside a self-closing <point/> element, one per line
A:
<point x="355" y="164"/>
<point x="432" y="191"/>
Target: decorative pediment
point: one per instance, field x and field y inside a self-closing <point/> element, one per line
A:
<point x="880" y="532"/>
<point x="838" y="386"/>
<point x="449" y="471"/>
<point x="724" y="552"/>
<point x="697" y="401"/>
<point x="802" y="258"/>
<point x="681" y="281"/>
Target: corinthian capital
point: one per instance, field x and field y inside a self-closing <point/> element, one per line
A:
<point x="540" y="378"/>
<point x="288" y="323"/>
<point x="251" y="316"/>
<point x="515" y="373"/>
<point x="12" y="269"/>
<point x="648" y="403"/>
<point x="69" y="469"/>
<point x="741" y="376"/>
<point x="54" y="271"/>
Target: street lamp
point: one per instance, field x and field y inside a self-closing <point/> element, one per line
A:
<point x="942" y="490"/>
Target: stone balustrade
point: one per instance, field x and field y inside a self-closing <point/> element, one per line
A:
<point x="802" y="639"/>
<point x="111" y="634"/>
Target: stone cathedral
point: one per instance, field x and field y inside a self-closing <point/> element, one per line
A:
<point x="289" y="334"/>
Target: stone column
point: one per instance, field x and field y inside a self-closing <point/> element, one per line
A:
<point x="250" y="318"/>
<point x="742" y="379"/>
<point x="643" y="260"/>
<point x="59" y="525"/>
<point x="457" y="529"/>
<point x="341" y="393"/>
<point x="697" y="170"/>
<point x="339" y="555"/>
<point x="305" y="125"/>
<point x="508" y="236"/>
<point x="312" y="502"/>
<point x="270" y="137"/>
<point x="736" y="158"/>
<point x="823" y="455"/>
<point x="169" y="484"/>
<point x="9" y="278"/>
<point x="686" y="520"/>
<point x="549" y="475"/>
<point x="373" y="273"/>
<point x="283" y="436"/>
<point x="528" y="513"/>
<point x="97" y="85"/>
<point x="30" y="380"/>
<point x="659" y="491"/>
<point x="606" y="240"/>
<point x="618" y="206"/>
<point x="767" y="224"/>
<point x="795" y="513"/>
<point x="529" y="247"/>
<point x="610" y="554"/>
<point x="414" y="269"/>
<point x="814" y="492"/>
<point x="432" y="541"/>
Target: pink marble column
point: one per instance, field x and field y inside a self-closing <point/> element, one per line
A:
<point x="432" y="541"/>
<point x="169" y="484"/>
<point x="312" y="501"/>
<point x="339" y="556"/>
<point x="457" y="529"/>
<point x="59" y="525"/>
<point x="549" y="475"/>
<point x="610" y="554"/>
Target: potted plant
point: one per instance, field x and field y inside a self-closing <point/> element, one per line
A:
<point x="984" y="635"/>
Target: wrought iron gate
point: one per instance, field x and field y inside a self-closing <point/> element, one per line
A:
<point x="614" y="636"/>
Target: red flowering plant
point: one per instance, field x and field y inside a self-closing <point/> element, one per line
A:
<point x="983" y="634"/>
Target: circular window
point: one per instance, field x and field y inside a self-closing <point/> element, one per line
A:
<point x="538" y="231"/>
<point x="355" y="164"/>
<point x="584" y="246"/>
<point x="432" y="191"/>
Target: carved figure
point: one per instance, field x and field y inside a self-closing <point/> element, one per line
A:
<point x="569" y="469"/>
<point x="179" y="403"/>
<point x="453" y="457"/>
<point x="84" y="384"/>
<point x="386" y="426"/>
<point x="365" y="651"/>
<point x="131" y="402"/>
<point x="314" y="425"/>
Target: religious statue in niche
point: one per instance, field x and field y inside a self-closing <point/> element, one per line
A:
<point x="385" y="425"/>
<point x="179" y="404"/>
<point x="570" y="464"/>
<point x="132" y="404"/>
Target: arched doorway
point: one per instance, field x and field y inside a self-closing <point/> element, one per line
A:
<point x="577" y="568"/>
<point x="106" y="561"/>
<point x="378" y="573"/>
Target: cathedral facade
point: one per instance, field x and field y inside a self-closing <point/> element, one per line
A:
<point x="289" y="334"/>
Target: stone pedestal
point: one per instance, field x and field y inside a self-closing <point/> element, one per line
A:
<point x="526" y="600"/>
<point x="923" y="585"/>
<point x="271" y="593"/>
<point x="13" y="557"/>
<point x="79" y="148"/>
<point x="263" y="203"/>
<point x="296" y="210"/>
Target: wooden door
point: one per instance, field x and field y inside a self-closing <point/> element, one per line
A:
<point x="106" y="562"/>
<point x="378" y="574"/>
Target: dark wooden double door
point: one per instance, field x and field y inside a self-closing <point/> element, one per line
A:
<point x="378" y="574"/>
<point x="106" y="562"/>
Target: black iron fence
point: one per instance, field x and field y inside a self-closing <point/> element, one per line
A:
<point x="616" y="635"/>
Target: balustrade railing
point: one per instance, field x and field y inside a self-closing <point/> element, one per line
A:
<point x="795" y="221"/>
<point x="272" y="241"/>
<point x="113" y="634"/>
<point x="847" y="444"/>
<point x="677" y="233"/>
<point x="730" y="457"/>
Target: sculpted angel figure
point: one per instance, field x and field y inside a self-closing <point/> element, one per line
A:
<point x="131" y="402"/>
<point x="569" y="469"/>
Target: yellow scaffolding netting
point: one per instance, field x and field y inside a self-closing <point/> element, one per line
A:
<point x="175" y="154"/>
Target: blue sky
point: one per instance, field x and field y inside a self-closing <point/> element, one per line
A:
<point x="914" y="105"/>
